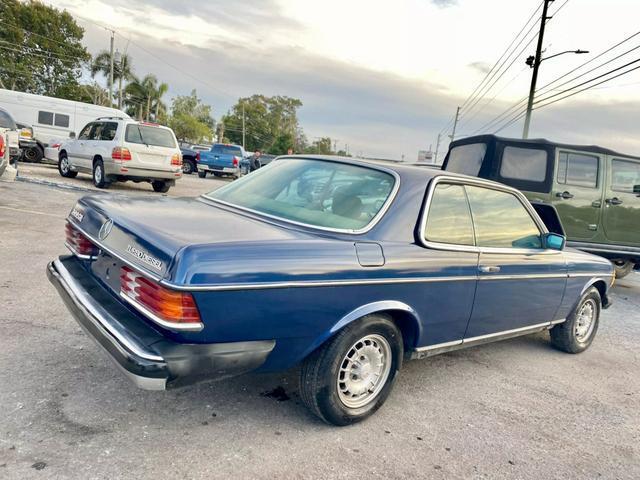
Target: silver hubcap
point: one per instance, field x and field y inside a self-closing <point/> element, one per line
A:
<point x="585" y="320"/>
<point x="364" y="371"/>
<point x="98" y="174"/>
<point x="64" y="165"/>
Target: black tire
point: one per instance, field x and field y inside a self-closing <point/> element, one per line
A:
<point x="99" y="177"/>
<point x="160" y="186"/>
<point x="216" y="174"/>
<point x="63" y="167"/>
<point x="321" y="371"/>
<point x="623" y="267"/>
<point x="32" y="154"/>
<point x="566" y="337"/>
<point x="188" y="167"/>
<point x="202" y="174"/>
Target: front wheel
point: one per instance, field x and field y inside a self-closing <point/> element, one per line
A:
<point x="350" y="377"/>
<point x="65" y="168"/>
<point x="160" y="186"/>
<point x="188" y="167"/>
<point x="202" y="174"/>
<point x="577" y="332"/>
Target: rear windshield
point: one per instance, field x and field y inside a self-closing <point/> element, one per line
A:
<point x="467" y="159"/>
<point x="313" y="192"/>
<point x="227" y="150"/>
<point x="147" y="135"/>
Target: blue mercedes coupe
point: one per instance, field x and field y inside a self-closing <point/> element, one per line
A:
<point x="345" y="267"/>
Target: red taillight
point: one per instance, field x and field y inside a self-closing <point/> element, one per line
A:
<point x="2" y="146"/>
<point x="197" y="156"/>
<point x="176" y="160"/>
<point x="78" y="243"/>
<point x="121" y="153"/>
<point x="167" y="305"/>
<point x="55" y="145"/>
<point x="236" y="161"/>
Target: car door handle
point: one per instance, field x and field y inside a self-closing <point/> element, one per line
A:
<point x="566" y="195"/>
<point x="614" y="201"/>
<point x="489" y="269"/>
<point x="596" y="204"/>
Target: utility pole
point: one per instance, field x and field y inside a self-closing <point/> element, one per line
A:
<point x="455" y="125"/>
<point x="435" y="156"/>
<point x="536" y="65"/>
<point x="111" y="71"/>
<point x="243" y="126"/>
<point x="120" y="60"/>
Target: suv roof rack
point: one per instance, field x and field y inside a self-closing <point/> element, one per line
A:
<point x="110" y="118"/>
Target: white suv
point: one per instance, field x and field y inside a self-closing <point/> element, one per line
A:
<point x="121" y="149"/>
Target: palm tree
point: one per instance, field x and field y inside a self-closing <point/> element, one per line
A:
<point x="145" y="96"/>
<point x="122" y="69"/>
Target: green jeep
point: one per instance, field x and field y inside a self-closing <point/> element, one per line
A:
<point x="589" y="193"/>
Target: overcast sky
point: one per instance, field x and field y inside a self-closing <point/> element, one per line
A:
<point x="382" y="77"/>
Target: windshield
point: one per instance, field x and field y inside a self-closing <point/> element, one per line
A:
<point x="159" y="137"/>
<point x="313" y="192"/>
<point x="466" y="159"/>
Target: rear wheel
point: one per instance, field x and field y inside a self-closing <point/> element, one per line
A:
<point x="188" y="167"/>
<point x="350" y="377"/>
<point x="160" y="186"/>
<point x="576" y="334"/>
<point x="65" y="168"/>
<point x="202" y="174"/>
<point x="622" y="267"/>
<point x="99" y="178"/>
<point x="33" y="154"/>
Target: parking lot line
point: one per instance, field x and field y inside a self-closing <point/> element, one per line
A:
<point x="34" y="212"/>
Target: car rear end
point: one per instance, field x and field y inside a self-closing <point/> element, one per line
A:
<point x="145" y="151"/>
<point x="221" y="159"/>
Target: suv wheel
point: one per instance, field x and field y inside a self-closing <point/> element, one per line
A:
<point x="622" y="267"/>
<point x="350" y="377"/>
<point x="160" y="186"/>
<point x="577" y="332"/>
<point x="99" y="178"/>
<point x="65" y="168"/>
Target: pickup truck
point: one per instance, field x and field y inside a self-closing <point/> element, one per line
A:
<point x="222" y="159"/>
<point x="190" y="159"/>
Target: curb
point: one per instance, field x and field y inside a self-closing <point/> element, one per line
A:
<point x="49" y="183"/>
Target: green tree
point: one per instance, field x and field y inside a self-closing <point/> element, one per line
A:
<point x="143" y="98"/>
<point x="271" y="123"/>
<point x="40" y="49"/>
<point x="122" y="70"/>
<point x="321" y="145"/>
<point x="191" y="119"/>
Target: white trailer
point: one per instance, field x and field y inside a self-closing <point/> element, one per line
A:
<point x="52" y="119"/>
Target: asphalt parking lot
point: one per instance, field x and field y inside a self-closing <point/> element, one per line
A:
<point x="515" y="409"/>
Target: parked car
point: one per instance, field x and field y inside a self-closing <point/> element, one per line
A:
<point x="51" y="118"/>
<point x="121" y="149"/>
<point x="346" y="267"/>
<point x="265" y="159"/>
<point x="593" y="192"/>
<point x="222" y="159"/>
<point x="9" y="130"/>
<point x="26" y="141"/>
<point x="190" y="159"/>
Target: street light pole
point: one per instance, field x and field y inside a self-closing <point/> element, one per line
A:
<point x="536" y="65"/>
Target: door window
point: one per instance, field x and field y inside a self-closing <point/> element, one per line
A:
<point x="624" y="175"/>
<point x="578" y="169"/>
<point x="96" y="132"/>
<point x="109" y="130"/>
<point x="467" y="159"/>
<point x="524" y="164"/>
<point x="84" y="133"/>
<point x="449" y="218"/>
<point x="501" y="220"/>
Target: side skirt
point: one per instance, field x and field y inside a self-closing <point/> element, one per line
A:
<point x="431" y="350"/>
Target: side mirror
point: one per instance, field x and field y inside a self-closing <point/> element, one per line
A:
<point x="72" y="135"/>
<point x="553" y="241"/>
<point x="636" y="190"/>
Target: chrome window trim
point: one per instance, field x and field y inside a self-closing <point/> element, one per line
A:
<point x="374" y="221"/>
<point x="476" y="182"/>
<point x="186" y="327"/>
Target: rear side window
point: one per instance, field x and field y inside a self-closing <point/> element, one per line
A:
<point x="467" y="159"/>
<point x="449" y="218"/>
<point x="45" y="118"/>
<point x="524" y="164"/>
<point x="62" y="120"/>
<point x="109" y="130"/>
<point x="624" y="175"/>
<point x="578" y="169"/>
<point x="148" y="135"/>
<point x="501" y="221"/>
<point x="227" y="150"/>
<point x="6" y="121"/>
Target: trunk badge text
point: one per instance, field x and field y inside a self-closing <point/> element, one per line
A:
<point x="145" y="257"/>
<point x="105" y="230"/>
<point x="77" y="214"/>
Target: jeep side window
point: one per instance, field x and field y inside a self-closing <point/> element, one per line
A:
<point x="84" y="133"/>
<point x="524" y="164"/>
<point x="578" y="169"/>
<point x="624" y="175"/>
